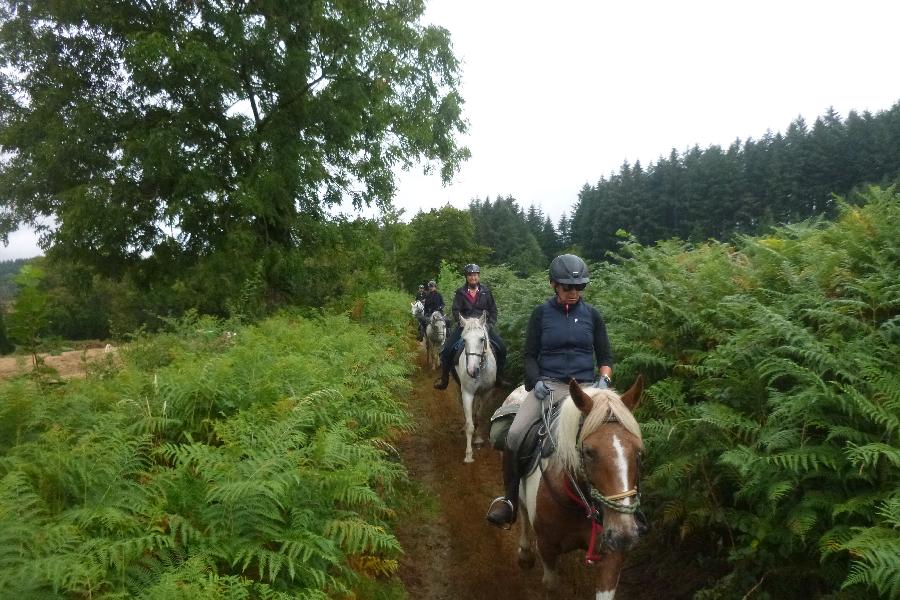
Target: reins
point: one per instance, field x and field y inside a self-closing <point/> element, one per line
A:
<point x="484" y="350"/>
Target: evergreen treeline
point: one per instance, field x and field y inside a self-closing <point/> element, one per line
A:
<point x="714" y="193"/>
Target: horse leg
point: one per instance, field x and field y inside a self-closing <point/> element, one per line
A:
<point x="607" y="577"/>
<point x="551" y="576"/>
<point x="477" y="418"/>
<point x="526" y="535"/>
<point x="467" y="402"/>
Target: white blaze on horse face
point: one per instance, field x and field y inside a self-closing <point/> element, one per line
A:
<point x="621" y="465"/>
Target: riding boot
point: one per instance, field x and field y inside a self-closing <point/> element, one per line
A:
<point x="502" y="512"/>
<point x="444" y="381"/>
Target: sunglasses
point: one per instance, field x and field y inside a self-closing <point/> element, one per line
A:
<point x="575" y="286"/>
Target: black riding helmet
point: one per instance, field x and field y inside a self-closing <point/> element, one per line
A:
<point x="471" y="268"/>
<point x="569" y="269"/>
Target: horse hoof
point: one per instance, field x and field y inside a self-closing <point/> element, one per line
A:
<point x="477" y="444"/>
<point x="468" y="460"/>
<point x="526" y="559"/>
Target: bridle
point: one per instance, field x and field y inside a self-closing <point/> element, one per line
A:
<point x="613" y="501"/>
<point x="484" y="349"/>
<point x="589" y="501"/>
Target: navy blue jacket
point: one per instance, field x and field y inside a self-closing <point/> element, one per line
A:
<point x="562" y="342"/>
<point x="433" y="301"/>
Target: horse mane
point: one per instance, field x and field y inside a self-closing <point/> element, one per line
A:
<point x="608" y="406"/>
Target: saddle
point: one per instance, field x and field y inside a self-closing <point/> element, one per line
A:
<point x="536" y="444"/>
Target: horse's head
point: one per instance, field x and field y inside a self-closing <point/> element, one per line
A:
<point x="438" y="325"/>
<point x="417" y="308"/>
<point x="607" y="452"/>
<point x="475" y="338"/>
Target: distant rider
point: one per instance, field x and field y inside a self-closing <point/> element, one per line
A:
<point x="471" y="301"/>
<point x="420" y="297"/>
<point x="433" y="300"/>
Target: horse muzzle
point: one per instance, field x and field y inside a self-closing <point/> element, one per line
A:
<point x="474" y="373"/>
<point x="620" y="540"/>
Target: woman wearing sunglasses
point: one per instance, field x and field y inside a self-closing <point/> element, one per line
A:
<point x="566" y="339"/>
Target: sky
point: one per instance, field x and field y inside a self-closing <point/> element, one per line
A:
<point x="558" y="95"/>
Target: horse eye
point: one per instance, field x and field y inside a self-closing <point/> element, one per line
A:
<point x="590" y="454"/>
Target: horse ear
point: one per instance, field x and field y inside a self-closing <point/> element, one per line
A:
<point x="584" y="402"/>
<point x="482" y="319"/>
<point x="462" y="321"/>
<point x="632" y="397"/>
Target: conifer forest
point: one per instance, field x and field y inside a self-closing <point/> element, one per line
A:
<point x="239" y="437"/>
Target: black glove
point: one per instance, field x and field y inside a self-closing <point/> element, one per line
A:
<point x="541" y="391"/>
<point x="603" y="382"/>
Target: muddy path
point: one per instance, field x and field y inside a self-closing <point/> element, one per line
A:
<point x="451" y="552"/>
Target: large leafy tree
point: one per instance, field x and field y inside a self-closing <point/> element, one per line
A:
<point x="171" y="130"/>
<point x="445" y="235"/>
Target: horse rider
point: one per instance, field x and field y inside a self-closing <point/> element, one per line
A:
<point x="566" y="339"/>
<point x="433" y="300"/>
<point x="471" y="301"/>
<point x="420" y="297"/>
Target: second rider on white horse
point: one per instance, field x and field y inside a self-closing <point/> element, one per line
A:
<point x="471" y="301"/>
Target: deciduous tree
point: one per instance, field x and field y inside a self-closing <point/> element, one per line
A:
<point x="164" y="130"/>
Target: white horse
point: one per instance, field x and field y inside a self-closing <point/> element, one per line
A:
<point x="477" y="371"/>
<point x="435" y="336"/>
<point x="417" y="309"/>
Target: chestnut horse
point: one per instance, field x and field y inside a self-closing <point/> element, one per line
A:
<point x="585" y="495"/>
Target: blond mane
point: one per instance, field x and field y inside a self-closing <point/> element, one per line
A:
<point x="608" y="406"/>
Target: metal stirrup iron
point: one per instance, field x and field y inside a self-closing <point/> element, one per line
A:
<point x="512" y="510"/>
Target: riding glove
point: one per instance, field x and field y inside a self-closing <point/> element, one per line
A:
<point x="603" y="382"/>
<point x="541" y="391"/>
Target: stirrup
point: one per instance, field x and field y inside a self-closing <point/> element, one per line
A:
<point x="512" y="512"/>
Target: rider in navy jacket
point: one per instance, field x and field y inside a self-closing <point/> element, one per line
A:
<point x="433" y="300"/>
<point x="566" y="339"/>
<point x="562" y="342"/>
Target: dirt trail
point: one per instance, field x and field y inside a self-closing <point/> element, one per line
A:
<point x="454" y="554"/>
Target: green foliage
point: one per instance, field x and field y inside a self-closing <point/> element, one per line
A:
<point x="8" y="271"/>
<point x="220" y="461"/>
<point x="445" y="235"/>
<point x="745" y="188"/>
<point x="512" y="237"/>
<point x="28" y="321"/>
<point x="773" y="423"/>
<point x="6" y="346"/>
<point x="176" y="145"/>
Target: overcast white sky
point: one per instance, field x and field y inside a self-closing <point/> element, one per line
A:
<point x="560" y="93"/>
